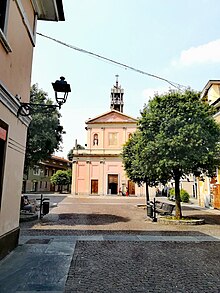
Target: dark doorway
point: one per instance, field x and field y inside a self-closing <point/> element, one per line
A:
<point x="112" y="184"/>
<point x="3" y="138"/>
<point x="94" y="186"/>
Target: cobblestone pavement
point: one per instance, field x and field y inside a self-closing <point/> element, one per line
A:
<point x="113" y="266"/>
<point x="92" y="244"/>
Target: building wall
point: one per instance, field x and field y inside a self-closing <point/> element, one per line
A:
<point x="15" y="69"/>
<point x="102" y="159"/>
<point x="38" y="179"/>
<point x="205" y="186"/>
<point x="204" y="195"/>
<point x="213" y="93"/>
<point x="88" y="169"/>
<point x="12" y="172"/>
<point x="17" y="39"/>
<point x="16" y="50"/>
<point x="106" y="133"/>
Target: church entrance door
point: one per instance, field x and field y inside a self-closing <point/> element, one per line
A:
<point x="112" y="184"/>
<point x="131" y="187"/>
<point x="94" y="186"/>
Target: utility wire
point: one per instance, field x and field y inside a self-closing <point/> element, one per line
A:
<point x="174" y="84"/>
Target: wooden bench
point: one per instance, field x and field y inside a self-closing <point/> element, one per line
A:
<point x="163" y="208"/>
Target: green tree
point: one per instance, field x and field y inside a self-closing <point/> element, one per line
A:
<point x="61" y="178"/>
<point x="44" y="134"/>
<point x="132" y="157"/>
<point x="180" y="134"/>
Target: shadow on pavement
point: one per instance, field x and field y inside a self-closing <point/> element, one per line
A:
<point x="71" y="232"/>
<point x="209" y="219"/>
<point x="88" y="219"/>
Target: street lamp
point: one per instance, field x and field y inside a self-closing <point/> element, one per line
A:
<point x="61" y="86"/>
<point x="61" y="89"/>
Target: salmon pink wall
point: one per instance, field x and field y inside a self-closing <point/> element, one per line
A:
<point x="15" y="69"/>
<point x="105" y="134"/>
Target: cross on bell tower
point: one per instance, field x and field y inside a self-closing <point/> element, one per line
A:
<point x="117" y="97"/>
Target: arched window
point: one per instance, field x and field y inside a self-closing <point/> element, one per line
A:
<point x="95" y="139"/>
<point x="129" y="135"/>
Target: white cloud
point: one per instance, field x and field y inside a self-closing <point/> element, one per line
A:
<point x="149" y="93"/>
<point x="207" y="53"/>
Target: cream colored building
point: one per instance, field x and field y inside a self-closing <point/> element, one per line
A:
<point x="209" y="189"/>
<point x="18" y="20"/>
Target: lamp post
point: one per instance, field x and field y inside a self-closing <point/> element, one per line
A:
<point x="61" y="89"/>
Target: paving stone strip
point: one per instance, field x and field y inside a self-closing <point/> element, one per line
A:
<point x="124" y="266"/>
<point x="111" y="263"/>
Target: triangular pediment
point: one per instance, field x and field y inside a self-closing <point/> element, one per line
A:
<point x="112" y="116"/>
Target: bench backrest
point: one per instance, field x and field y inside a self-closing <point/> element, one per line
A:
<point x="167" y="207"/>
<point x="158" y="205"/>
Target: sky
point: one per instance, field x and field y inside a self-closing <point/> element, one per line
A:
<point x="176" y="40"/>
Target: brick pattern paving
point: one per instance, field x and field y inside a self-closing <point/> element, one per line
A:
<point x="119" y="266"/>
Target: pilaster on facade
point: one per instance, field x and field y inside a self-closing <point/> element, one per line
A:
<point x="90" y="137"/>
<point x="124" y="134"/>
<point x="103" y="137"/>
<point x="88" y="176"/>
<point x="74" y="177"/>
<point x="102" y="176"/>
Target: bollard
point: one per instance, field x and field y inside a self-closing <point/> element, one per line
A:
<point x="154" y="218"/>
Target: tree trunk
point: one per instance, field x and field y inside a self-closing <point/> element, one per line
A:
<point x="177" y="194"/>
<point x="147" y="193"/>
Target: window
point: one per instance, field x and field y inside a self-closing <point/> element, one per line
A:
<point x="113" y="138"/>
<point x="3" y="24"/>
<point x="36" y="171"/>
<point x="95" y="139"/>
<point x="3" y="10"/>
<point x="46" y="172"/>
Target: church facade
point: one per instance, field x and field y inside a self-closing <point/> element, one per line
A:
<point x="98" y="169"/>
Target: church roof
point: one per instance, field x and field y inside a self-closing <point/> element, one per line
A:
<point x="112" y="116"/>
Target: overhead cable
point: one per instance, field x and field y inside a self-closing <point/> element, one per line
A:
<point x="174" y="84"/>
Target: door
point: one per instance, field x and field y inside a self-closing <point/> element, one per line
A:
<point x="94" y="186"/>
<point x="131" y="187"/>
<point x="112" y="184"/>
<point x="215" y="199"/>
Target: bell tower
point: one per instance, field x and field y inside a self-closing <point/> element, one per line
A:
<point x="117" y="97"/>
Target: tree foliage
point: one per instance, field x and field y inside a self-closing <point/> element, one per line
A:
<point x="179" y="136"/>
<point x="137" y="168"/>
<point x="44" y="134"/>
<point x="61" y="178"/>
<point x="70" y="153"/>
